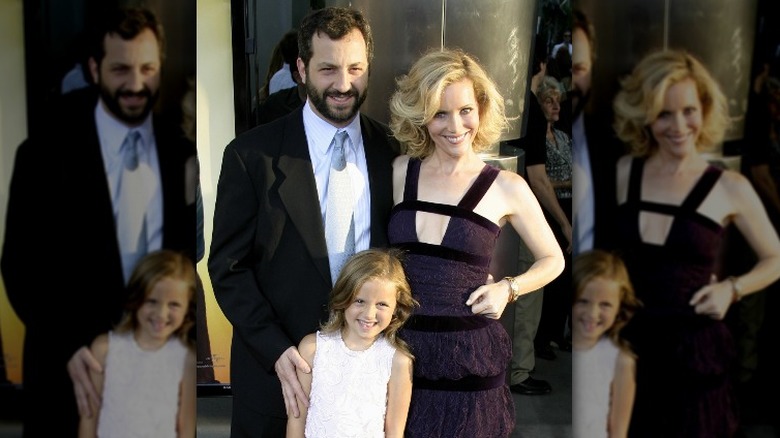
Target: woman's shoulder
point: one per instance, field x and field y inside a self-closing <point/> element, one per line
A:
<point x="512" y="183"/>
<point x="624" y="161"/>
<point x="401" y="161"/>
<point x="562" y="134"/>
<point x="734" y="181"/>
<point x="737" y="188"/>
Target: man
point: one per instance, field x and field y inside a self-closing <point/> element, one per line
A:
<point x="68" y="198"/>
<point x="528" y="308"/>
<point x="272" y="253"/>
<point x="283" y="78"/>
<point x="595" y="152"/>
<point x="565" y="44"/>
<point x="283" y="101"/>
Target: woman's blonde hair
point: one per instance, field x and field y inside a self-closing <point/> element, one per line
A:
<point x="642" y="94"/>
<point x="418" y="97"/>
<point x="372" y="264"/>
<point x="603" y="264"/>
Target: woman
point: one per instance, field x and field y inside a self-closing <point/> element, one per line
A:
<point x="556" y="306"/>
<point x="558" y="163"/>
<point x="673" y="209"/>
<point x="449" y="209"/>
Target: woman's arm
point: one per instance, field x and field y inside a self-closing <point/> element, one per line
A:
<point x="307" y="348"/>
<point x="399" y="395"/>
<point x="622" y="395"/>
<point x="526" y="217"/>
<point x="515" y="201"/>
<point x="751" y="219"/>
<point x="748" y="214"/>
<point x="186" y="419"/>
<point x="88" y="423"/>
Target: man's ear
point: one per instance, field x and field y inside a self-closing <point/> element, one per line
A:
<point x="301" y="70"/>
<point x="93" y="70"/>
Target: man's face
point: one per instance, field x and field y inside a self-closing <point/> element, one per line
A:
<point x="581" y="66"/>
<point x="337" y="77"/>
<point x="129" y="76"/>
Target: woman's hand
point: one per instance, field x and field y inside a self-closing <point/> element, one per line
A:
<point x="490" y="299"/>
<point x="713" y="300"/>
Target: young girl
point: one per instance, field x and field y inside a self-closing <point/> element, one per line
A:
<point x="361" y="372"/>
<point x="604" y="366"/>
<point x="148" y="383"/>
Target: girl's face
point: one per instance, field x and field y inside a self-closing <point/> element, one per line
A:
<point x="369" y="314"/>
<point x="455" y="124"/>
<point x="162" y="312"/>
<point x="594" y="311"/>
<point x="678" y="125"/>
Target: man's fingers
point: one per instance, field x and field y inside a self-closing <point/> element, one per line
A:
<point x="299" y="363"/>
<point x="81" y="401"/>
<point x="79" y="367"/>
<point x="290" y="403"/>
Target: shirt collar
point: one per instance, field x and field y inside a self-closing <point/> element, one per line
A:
<point x="321" y="133"/>
<point x="112" y="132"/>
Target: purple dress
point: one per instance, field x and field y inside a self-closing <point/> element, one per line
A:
<point x="459" y="387"/>
<point x="684" y="359"/>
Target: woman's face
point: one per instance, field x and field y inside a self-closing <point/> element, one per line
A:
<point x="551" y="105"/>
<point x="455" y="124"/>
<point x="678" y="125"/>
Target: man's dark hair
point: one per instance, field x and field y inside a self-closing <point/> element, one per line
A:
<point x="289" y="46"/>
<point x="335" y="22"/>
<point x="127" y="23"/>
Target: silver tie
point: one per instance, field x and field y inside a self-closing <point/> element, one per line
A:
<point x="129" y="150"/>
<point x="339" y="210"/>
<point x="131" y="216"/>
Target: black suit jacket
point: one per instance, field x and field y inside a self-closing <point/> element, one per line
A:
<point x="60" y="262"/>
<point x="604" y="150"/>
<point x="268" y="260"/>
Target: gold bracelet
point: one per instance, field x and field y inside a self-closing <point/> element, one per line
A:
<point x="736" y="290"/>
<point x="514" y="289"/>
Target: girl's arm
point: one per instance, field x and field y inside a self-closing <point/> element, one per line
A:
<point x="399" y="395"/>
<point x="88" y="424"/>
<point x="307" y="348"/>
<point x="185" y="422"/>
<point x="622" y="395"/>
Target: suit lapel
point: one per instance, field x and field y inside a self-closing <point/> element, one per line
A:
<point x="298" y="191"/>
<point x="378" y="162"/>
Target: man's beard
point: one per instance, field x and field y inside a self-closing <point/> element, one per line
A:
<point x="337" y="116"/>
<point x="111" y="100"/>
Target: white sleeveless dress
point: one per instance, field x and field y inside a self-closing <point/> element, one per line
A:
<point x="141" y="388"/>
<point x="348" y="389"/>
<point x="592" y="374"/>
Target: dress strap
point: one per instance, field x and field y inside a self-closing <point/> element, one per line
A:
<point x="702" y="188"/>
<point x="412" y="178"/>
<point x="474" y="194"/>
<point x="635" y="180"/>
